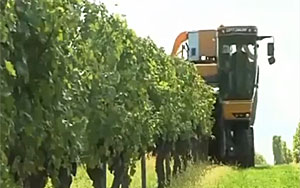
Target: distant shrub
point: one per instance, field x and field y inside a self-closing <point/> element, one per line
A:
<point x="259" y="159"/>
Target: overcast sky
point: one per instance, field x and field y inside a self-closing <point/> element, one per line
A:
<point x="278" y="110"/>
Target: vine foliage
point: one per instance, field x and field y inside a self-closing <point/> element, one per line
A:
<point x="77" y="85"/>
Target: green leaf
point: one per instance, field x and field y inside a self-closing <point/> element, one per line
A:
<point x="10" y="68"/>
<point x="60" y="36"/>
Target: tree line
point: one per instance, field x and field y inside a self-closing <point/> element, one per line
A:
<point x="282" y="154"/>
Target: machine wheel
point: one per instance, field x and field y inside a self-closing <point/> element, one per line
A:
<point x="217" y="144"/>
<point x="252" y="151"/>
<point x="245" y="147"/>
<point x="253" y="114"/>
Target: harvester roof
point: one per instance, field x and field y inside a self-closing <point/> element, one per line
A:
<point x="237" y="30"/>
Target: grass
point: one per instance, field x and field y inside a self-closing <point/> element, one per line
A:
<point x="210" y="176"/>
<point x="284" y="176"/>
<point x="192" y="177"/>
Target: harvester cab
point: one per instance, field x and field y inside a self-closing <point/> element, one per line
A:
<point x="226" y="58"/>
<point x="239" y="71"/>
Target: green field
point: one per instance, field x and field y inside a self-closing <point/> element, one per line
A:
<point x="205" y="176"/>
<point x="284" y="176"/>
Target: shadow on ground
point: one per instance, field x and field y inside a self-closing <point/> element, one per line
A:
<point x="262" y="167"/>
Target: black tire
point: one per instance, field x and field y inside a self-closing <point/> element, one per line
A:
<point x="253" y="113"/>
<point x="217" y="144"/>
<point x="245" y="147"/>
<point x="252" y="151"/>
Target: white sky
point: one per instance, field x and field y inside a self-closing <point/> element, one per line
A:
<point x="279" y="96"/>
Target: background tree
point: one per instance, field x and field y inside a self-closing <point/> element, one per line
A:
<point x="277" y="150"/>
<point x="282" y="154"/>
<point x="296" y="145"/>
<point x="287" y="153"/>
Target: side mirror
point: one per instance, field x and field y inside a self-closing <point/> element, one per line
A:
<point x="271" y="53"/>
<point x="270" y="49"/>
<point x="271" y="60"/>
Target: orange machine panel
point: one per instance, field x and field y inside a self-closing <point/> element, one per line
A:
<point x="207" y="42"/>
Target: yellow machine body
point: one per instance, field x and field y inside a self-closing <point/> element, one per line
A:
<point x="208" y="71"/>
<point x="226" y="58"/>
<point x="204" y="44"/>
<point x="237" y="109"/>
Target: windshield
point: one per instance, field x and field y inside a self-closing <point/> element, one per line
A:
<point x="248" y="49"/>
<point x="237" y="67"/>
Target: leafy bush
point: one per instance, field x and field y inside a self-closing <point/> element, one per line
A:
<point x="259" y="159"/>
<point x="78" y="85"/>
